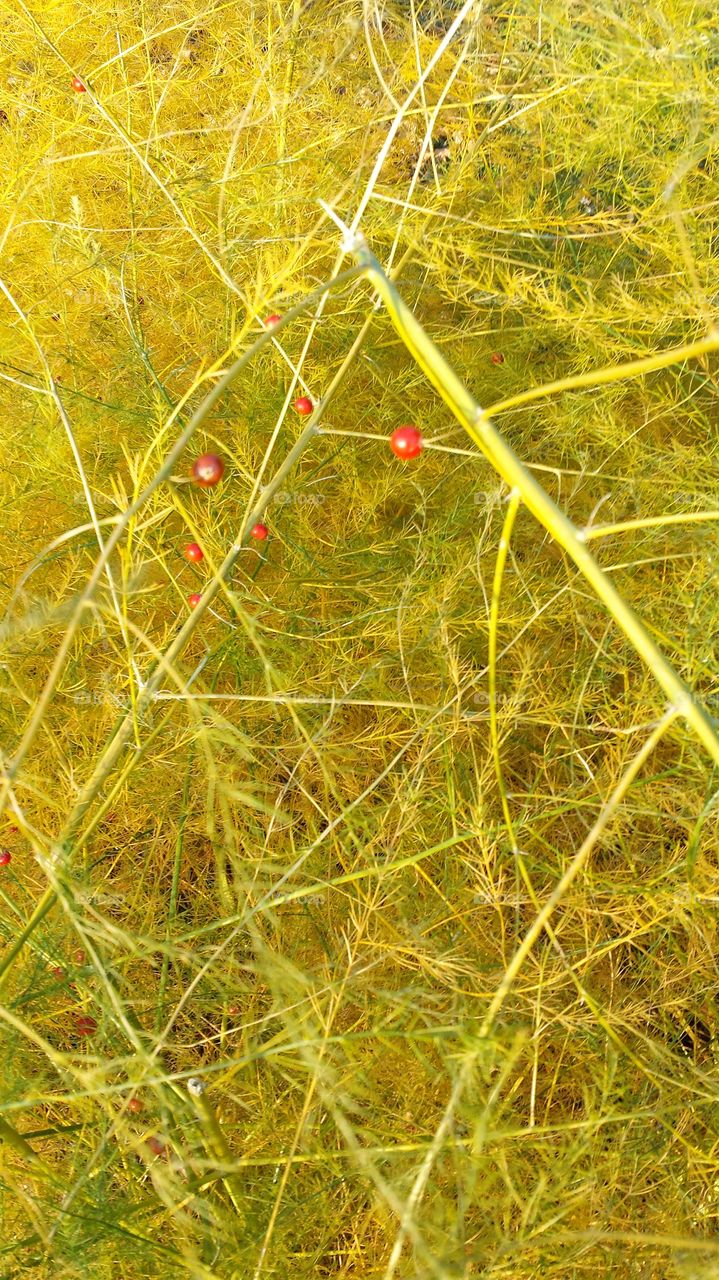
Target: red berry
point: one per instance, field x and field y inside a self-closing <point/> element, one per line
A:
<point x="85" y="1025"/>
<point x="304" y="405"/>
<point x="194" y="553"/>
<point x="79" y="956"/>
<point x="207" y="470"/>
<point x="194" y="600"/>
<point x="135" y="1105"/>
<point x="497" y="357"/>
<point x="156" y="1146"/>
<point x="77" y="85"/>
<point x="259" y="532"/>
<point x="58" y="973"/>
<point x="233" y="1010"/>
<point x="271" y="321"/>
<point x="5" y="857"/>
<point x="406" y="442"/>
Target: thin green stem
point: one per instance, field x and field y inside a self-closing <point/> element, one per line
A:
<point x="216" y="1142"/>
<point x="22" y="1147"/>
<point x="501" y="561"/>
<point x="172" y="904"/>
<point x="500" y="565"/>
<point x="578" y="862"/>
<point x="614" y="373"/>
<point x="647" y="522"/>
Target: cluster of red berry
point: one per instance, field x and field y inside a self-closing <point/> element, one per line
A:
<point x="209" y="468"/>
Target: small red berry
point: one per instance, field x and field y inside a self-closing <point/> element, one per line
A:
<point x="497" y="357"/>
<point x="77" y="85"/>
<point x="85" y="1025"/>
<point x="79" y="956"/>
<point x="156" y="1146"/>
<point x="135" y="1105"/>
<point x="194" y="600"/>
<point x="271" y="321"/>
<point x="259" y="532"/>
<point x="207" y="470"/>
<point x="5" y="857"/>
<point x="406" y="442"/>
<point x="304" y="405"/>
<point x="194" y="553"/>
<point x="233" y="1010"/>
<point x="58" y="973"/>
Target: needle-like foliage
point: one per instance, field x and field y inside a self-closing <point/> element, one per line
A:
<point x="361" y="921"/>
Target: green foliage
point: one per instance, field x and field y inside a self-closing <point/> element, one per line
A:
<point x="288" y="872"/>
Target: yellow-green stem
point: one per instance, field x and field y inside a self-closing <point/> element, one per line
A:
<point x="648" y="522"/>
<point x="492" y="672"/>
<point x="578" y="862"/>
<point x="217" y="1147"/>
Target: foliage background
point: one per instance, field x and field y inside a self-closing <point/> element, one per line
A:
<point x="298" y="885"/>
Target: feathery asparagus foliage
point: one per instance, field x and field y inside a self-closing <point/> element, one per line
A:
<point x="392" y="844"/>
